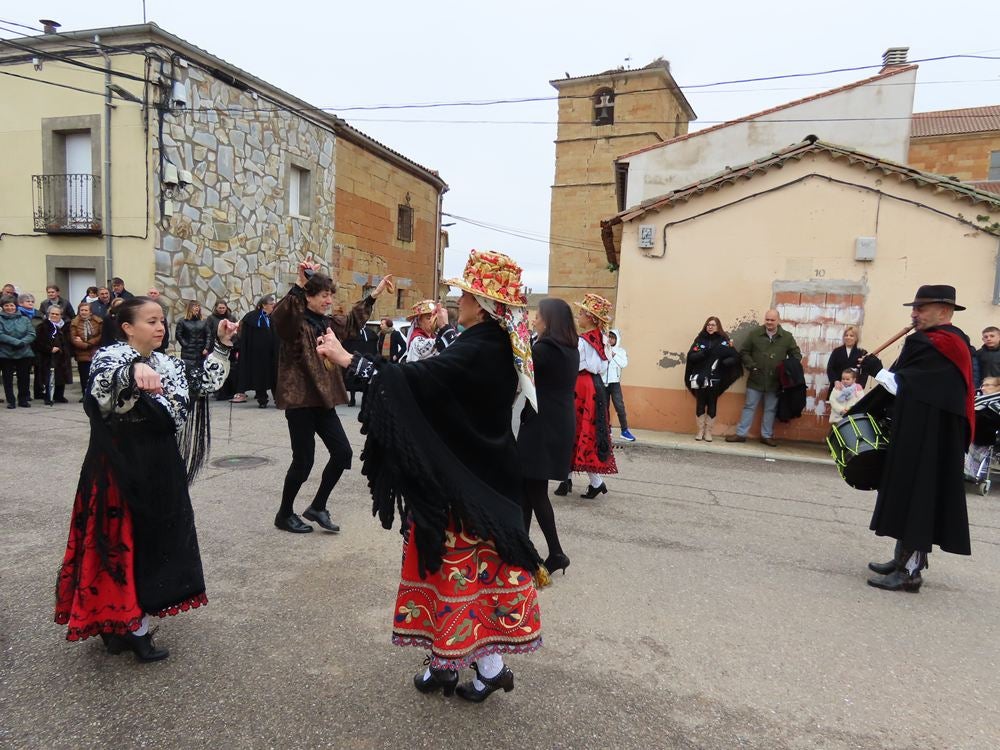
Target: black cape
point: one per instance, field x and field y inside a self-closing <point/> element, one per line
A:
<point x="921" y="498"/>
<point x="545" y="440"/>
<point x="258" y="355"/>
<point x="439" y="447"/>
<point x="711" y="358"/>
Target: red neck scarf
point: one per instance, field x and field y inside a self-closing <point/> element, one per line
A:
<point x="596" y="340"/>
<point x="952" y="347"/>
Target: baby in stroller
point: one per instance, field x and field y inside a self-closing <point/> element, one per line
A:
<point x="980" y="455"/>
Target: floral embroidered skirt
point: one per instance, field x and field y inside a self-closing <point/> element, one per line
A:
<point x="585" y="445"/>
<point x="475" y="605"/>
<point x="95" y="595"/>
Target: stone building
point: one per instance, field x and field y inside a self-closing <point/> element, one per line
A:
<point x="601" y="117"/>
<point x="199" y="178"/>
<point x="960" y="143"/>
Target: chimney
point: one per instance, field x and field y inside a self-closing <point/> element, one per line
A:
<point x="50" y="27"/>
<point x="894" y="57"/>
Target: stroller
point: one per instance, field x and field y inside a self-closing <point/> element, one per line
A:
<point x="979" y="459"/>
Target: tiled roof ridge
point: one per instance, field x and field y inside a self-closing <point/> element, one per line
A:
<point x="980" y="119"/>
<point x="749" y="118"/>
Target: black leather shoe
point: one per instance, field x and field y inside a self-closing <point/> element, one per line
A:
<point x="769" y="441"/>
<point x="322" y="517"/>
<point x="735" y="439"/>
<point x="446" y="679"/>
<point x="141" y="645"/>
<point x="558" y="561"/>
<point x="61" y="400"/>
<point x="11" y="405"/>
<point x="503" y="680"/>
<point x="898" y="580"/>
<point x="262" y="404"/>
<point x="593" y="492"/>
<point x="883" y="569"/>
<point x="293" y="524"/>
<point x="565" y="487"/>
<point x="24" y="404"/>
<point x="47" y="402"/>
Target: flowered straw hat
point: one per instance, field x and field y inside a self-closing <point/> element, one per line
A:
<point x="494" y="276"/>
<point x="597" y="306"/>
<point x="422" y="308"/>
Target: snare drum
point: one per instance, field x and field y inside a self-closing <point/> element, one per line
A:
<point x="858" y="445"/>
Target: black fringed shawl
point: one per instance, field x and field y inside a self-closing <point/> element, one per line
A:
<point x="439" y="447"/>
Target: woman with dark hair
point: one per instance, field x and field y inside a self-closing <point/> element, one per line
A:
<point x="545" y="440"/>
<point x="258" y="371"/>
<point x="439" y="446"/>
<point x="221" y="312"/>
<point x="132" y="550"/>
<point x="55" y="356"/>
<point x="309" y="389"/>
<point x="110" y="331"/>
<point x="713" y="364"/>
<point x="192" y="335"/>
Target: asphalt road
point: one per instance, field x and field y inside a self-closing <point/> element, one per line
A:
<point x="712" y="602"/>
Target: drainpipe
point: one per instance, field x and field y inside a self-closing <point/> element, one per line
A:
<point x="108" y="106"/>
<point x="438" y="249"/>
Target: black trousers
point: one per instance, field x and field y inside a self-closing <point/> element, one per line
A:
<point x="615" y="397"/>
<point x="22" y="368"/>
<point x="83" y="369"/>
<point x="707" y="399"/>
<point x="303" y="426"/>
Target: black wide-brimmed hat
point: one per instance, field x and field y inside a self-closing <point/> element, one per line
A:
<point x="929" y="293"/>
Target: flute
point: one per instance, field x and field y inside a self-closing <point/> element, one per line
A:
<point x="891" y="341"/>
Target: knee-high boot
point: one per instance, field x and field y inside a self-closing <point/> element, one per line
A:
<point x="709" y="421"/>
<point x="700" y="433"/>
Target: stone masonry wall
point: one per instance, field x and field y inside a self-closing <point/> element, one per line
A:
<point x="231" y="236"/>
<point x="966" y="157"/>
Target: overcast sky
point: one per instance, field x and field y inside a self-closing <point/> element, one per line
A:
<point x="341" y="55"/>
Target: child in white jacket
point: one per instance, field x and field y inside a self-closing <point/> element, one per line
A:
<point x="846" y="393"/>
<point x="617" y="361"/>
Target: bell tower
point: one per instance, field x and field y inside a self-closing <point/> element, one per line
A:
<point x="602" y="117"/>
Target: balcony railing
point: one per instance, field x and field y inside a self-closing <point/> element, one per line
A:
<point x="67" y="203"/>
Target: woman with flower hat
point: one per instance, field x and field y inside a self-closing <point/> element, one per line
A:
<point x="439" y="445"/>
<point x="429" y="331"/>
<point x="592" y="452"/>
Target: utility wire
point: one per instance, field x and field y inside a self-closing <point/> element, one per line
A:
<point x="523" y="236"/>
<point x="78" y="45"/>
<point x="71" y="61"/>
<point x="64" y="86"/>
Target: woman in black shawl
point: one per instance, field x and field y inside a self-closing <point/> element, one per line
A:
<point x="440" y="448"/>
<point x="713" y="365"/>
<point x="258" y="371"/>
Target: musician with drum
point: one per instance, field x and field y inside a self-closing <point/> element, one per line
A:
<point x="921" y="495"/>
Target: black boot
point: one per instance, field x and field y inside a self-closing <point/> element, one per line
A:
<point x="141" y="645"/>
<point x="446" y="679"/>
<point x="884" y="569"/>
<point x="593" y="492"/>
<point x="898" y="580"/>
<point x="503" y="680"/>
<point x="565" y="487"/>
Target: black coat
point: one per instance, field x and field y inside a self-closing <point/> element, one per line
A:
<point x="712" y="361"/>
<point x="365" y="344"/>
<point x="192" y="338"/>
<point x="545" y="440"/>
<point x="839" y="361"/>
<point x="397" y="344"/>
<point x="791" y="390"/>
<point x="439" y="442"/>
<point x="258" y="354"/>
<point x="921" y="497"/>
<point x="988" y="361"/>
<point x="47" y="338"/>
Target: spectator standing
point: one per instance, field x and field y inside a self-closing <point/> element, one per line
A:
<point x="54" y="297"/>
<point x="391" y="343"/>
<point x="762" y="352"/>
<point x="90" y="297"/>
<point x="26" y="306"/>
<point x="617" y="361"/>
<point x="987" y="359"/>
<point x="844" y="394"/>
<point x="258" y="353"/>
<point x="713" y="364"/>
<point x="9" y="290"/>
<point x="101" y="307"/>
<point x="16" y="353"/>
<point x="85" y="335"/>
<point x="55" y="359"/>
<point x="845" y="357"/>
<point x="192" y="335"/>
<point x="118" y="290"/>
<point x="545" y="440"/>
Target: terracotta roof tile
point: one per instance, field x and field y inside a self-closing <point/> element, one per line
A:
<point x="956" y="121"/>
<point x="881" y="76"/>
<point x="988" y="186"/>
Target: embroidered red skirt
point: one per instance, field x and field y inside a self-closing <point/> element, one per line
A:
<point x="475" y="605"/>
<point x="95" y="596"/>
<point x="585" y="446"/>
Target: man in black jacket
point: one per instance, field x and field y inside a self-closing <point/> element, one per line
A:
<point x="921" y="496"/>
<point x="396" y="343"/>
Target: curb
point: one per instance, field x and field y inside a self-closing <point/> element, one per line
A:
<point x="688" y="443"/>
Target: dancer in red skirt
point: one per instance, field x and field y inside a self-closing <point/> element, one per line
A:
<point x="593" y="452"/>
<point x="132" y="549"/>
<point x="439" y="444"/>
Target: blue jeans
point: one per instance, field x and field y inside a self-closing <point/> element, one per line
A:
<point x="770" y="407"/>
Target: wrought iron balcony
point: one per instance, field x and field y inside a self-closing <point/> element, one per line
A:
<point x="67" y="203"/>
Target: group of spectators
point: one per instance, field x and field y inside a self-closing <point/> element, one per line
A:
<point x="39" y="345"/>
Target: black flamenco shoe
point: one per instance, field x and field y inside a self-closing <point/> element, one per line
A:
<point x="558" y="561"/>
<point x="503" y="680"/>
<point x="593" y="492"/>
<point x="141" y="645"/>
<point x="565" y="487"/>
<point x="446" y="679"/>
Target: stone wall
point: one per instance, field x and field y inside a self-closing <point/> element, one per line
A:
<point x="966" y="157"/>
<point x="231" y="236"/>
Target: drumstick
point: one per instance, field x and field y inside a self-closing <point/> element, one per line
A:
<point x="891" y="341"/>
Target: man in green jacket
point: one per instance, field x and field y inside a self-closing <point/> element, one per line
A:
<point x="764" y="349"/>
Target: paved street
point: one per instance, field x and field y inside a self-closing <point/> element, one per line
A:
<point x="713" y="601"/>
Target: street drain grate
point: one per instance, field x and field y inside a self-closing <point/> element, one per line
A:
<point x="239" y="462"/>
